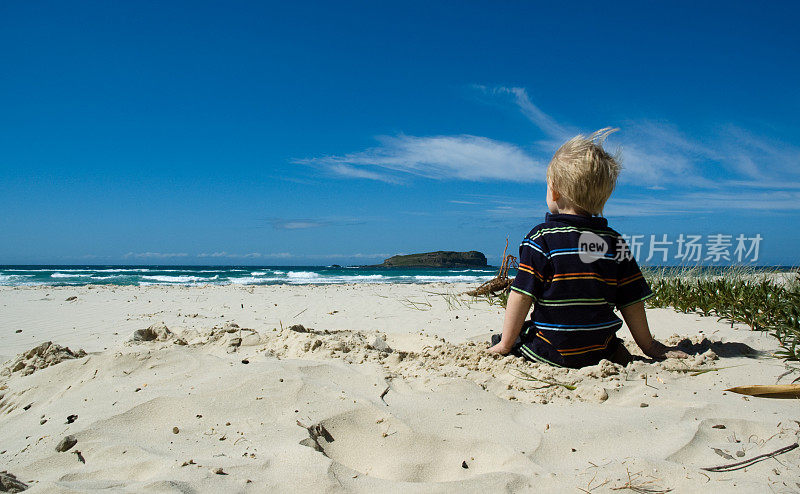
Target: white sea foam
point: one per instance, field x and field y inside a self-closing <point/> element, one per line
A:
<point x="174" y="279"/>
<point x="258" y="273"/>
<point x="302" y="275"/>
<point x="250" y="280"/>
<point x="321" y="280"/>
<point x="64" y="275"/>
<point x="46" y="270"/>
<point x="121" y="270"/>
<point x="10" y="280"/>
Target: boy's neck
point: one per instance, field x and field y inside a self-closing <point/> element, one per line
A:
<point x="572" y="210"/>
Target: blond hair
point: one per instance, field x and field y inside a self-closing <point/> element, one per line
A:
<point x="583" y="172"/>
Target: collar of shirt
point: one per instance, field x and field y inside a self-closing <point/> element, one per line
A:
<point x="578" y="220"/>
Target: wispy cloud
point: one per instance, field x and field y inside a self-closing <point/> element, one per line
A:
<point x="296" y="224"/>
<point x="288" y="255"/>
<point x="154" y="255"/>
<point x="660" y="154"/>
<point x="761" y="184"/>
<point x="461" y="157"/>
<point x="357" y="255"/>
<point x="352" y="166"/>
<point x="227" y="255"/>
<point x="704" y="201"/>
<point x="545" y="122"/>
<point x="759" y="156"/>
<point x="656" y="153"/>
<point x="653" y="153"/>
<point x="306" y="223"/>
<point x="494" y="208"/>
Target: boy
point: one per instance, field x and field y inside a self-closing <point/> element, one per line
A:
<point x="575" y="270"/>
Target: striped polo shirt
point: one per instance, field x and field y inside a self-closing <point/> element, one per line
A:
<point x="577" y="270"/>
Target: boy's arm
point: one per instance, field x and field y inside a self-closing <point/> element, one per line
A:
<point x="636" y="319"/>
<point x="517" y="309"/>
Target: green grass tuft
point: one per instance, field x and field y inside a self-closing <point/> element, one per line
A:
<point x="763" y="300"/>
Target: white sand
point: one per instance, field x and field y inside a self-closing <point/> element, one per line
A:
<point x="448" y="404"/>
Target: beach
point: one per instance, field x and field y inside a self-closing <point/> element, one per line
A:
<point x="366" y="388"/>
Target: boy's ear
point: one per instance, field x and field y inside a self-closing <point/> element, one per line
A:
<point x="554" y="195"/>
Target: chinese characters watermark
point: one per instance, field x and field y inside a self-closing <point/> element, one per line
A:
<point x="715" y="248"/>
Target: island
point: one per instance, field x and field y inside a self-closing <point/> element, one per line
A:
<point x="438" y="259"/>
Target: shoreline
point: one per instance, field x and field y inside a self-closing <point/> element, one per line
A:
<point x="307" y="275"/>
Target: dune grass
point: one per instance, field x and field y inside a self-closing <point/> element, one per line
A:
<point x="762" y="300"/>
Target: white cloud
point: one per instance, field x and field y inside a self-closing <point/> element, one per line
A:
<point x="213" y="254"/>
<point x="154" y="255"/>
<point x="656" y="156"/>
<point x="347" y="170"/>
<point x="250" y="255"/>
<point x="463" y="157"/>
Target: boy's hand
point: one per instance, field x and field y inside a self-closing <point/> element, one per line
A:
<point x="636" y="319"/>
<point x="499" y="349"/>
<point x="659" y="351"/>
<point x="517" y="308"/>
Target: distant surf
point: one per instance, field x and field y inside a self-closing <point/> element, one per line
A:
<point x="233" y="275"/>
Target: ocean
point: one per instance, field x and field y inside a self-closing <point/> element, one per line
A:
<point x="230" y="275"/>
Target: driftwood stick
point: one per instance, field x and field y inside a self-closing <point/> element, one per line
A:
<point x="384" y="394"/>
<point x="500" y="282"/>
<point x="746" y="463"/>
<point x="504" y="265"/>
<point x="769" y="391"/>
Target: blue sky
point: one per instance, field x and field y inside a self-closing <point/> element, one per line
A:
<point x="344" y="132"/>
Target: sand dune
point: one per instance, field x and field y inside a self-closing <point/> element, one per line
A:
<point x="377" y="396"/>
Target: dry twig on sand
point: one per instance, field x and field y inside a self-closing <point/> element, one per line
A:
<point x="746" y="463"/>
<point x="385" y="391"/>
<point x="416" y="304"/>
<point x="590" y="487"/>
<point x="529" y="377"/>
<point x="635" y="484"/>
<point x="696" y="371"/>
